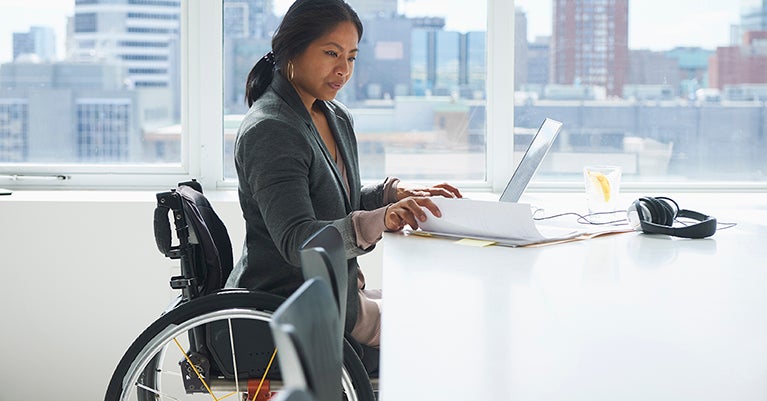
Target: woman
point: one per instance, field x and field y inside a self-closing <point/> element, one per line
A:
<point x="297" y="163"/>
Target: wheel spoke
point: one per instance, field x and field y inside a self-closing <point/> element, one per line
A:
<point x="151" y="390"/>
<point x="234" y="358"/>
<point x="169" y="372"/>
<point x="269" y="365"/>
<point x="230" y="394"/>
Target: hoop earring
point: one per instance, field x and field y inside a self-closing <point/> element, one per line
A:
<point x="291" y="71"/>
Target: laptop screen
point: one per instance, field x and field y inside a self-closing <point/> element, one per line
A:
<point x="532" y="159"/>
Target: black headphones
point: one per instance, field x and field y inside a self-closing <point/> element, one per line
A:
<point x="657" y="216"/>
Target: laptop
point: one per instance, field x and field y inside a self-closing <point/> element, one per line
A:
<point x="532" y="159"/>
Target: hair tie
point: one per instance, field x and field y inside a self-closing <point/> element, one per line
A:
<point x="270" y="57"/>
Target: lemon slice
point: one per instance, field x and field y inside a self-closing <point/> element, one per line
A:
<point x="603" y="182"/>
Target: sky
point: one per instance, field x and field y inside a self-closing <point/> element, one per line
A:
<point x="653" y="24"/>
<point x="658" y="24"/>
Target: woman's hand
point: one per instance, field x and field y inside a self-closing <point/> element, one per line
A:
<point x="409" y="211"/>
<point x="445" y="190"/>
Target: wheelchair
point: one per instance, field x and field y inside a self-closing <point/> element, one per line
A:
<point x="211" y="341"/>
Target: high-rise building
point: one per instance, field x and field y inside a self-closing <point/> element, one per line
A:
<point x="753" y="15"/>
<point x="652" y="75"/>
<point x="647" y="67"/>
<point x="520" y="49"/>
<point x="447" y="62"/>
<point x="248" y="29"/>
<point x="423" y="56"/>
<point x="141" y="35"/>
<point x="236" y="24"/>
<point x="39" y="41"/>
<point x="473" y="64"/>
<point x="14" y="130"/>
<point x="71" y="112"/>
<point x="538" y="56"/>
<point x="382" y="70"/>
<point x="744" y="64"/>
<point x="248" y="18"/>
<point x="590" y="43"/>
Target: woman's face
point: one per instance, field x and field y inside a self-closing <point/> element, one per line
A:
<point x="326" y="64"/>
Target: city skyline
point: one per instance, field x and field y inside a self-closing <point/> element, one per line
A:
<point x="705" y="24"/>
<point x="684" y="22"/>
<point x="421" y="87"/>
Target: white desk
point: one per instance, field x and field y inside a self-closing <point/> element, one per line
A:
<point x="627" y="317"/>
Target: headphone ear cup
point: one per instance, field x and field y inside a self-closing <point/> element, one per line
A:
<point x="670" y="207"/>
<point x="647" y="210"/>
<point x="644" y="212"/>
<point x="632" y="215"/>
<point x="659" y="211"/>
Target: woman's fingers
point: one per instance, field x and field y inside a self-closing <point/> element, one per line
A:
<point x="444" y="189"/>
<point x="410" y="211"/>
<point x="428" y="204"/>
<point x="452" y="191"/>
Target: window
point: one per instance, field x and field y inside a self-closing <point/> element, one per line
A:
<point x="674" y="97"/>
<point x="105" y="97"/>
<point x="418" y="93"/>
<point x="13" y="120"/>
<point x="437" y="93"/>
<point x="85" y="22"/>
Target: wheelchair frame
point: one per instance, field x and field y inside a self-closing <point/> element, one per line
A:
<point x="222" y="334"/>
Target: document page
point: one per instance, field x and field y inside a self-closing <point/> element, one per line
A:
<point x="505" y="223"/>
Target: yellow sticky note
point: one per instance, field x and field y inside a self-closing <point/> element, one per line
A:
<point x="474" y="242"/>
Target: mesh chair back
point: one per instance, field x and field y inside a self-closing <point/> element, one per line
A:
<point x="309" y="343"/>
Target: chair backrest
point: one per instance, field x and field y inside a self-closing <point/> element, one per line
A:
<point x="309" y="343"/>
<point x="322" y="255"/>
<point x="204" y="246"/>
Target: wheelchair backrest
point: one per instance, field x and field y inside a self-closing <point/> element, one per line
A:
<point x="204" y="248"/>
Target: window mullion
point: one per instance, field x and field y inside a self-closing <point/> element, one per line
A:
<point x="204" y="119"/>
<point x="500" y="92"/>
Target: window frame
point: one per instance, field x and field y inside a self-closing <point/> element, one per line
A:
<point x="201" y="124"/>
<point x="202" y="144"/>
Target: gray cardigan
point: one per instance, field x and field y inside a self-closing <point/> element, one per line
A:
<point x="290" y="187"/>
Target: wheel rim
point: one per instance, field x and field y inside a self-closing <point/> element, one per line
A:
<point x="148" y="377"/>
<point x="162" y="346"/>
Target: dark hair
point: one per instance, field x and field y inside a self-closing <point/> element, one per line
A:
<point x="305" y="21"/>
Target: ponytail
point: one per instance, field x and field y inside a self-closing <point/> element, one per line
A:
<point x="259" y="78"/>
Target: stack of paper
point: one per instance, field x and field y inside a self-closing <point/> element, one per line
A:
<point x="504" y="223"/>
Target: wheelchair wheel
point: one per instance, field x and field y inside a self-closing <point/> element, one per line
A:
<point x="164" y="364"/>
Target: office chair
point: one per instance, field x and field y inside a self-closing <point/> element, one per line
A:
<point x="210" y="340"/>
<point x="306" y="330"/>
<point x="322" y="255"/>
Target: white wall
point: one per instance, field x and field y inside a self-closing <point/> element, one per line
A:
<point x="82" y="278"/>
